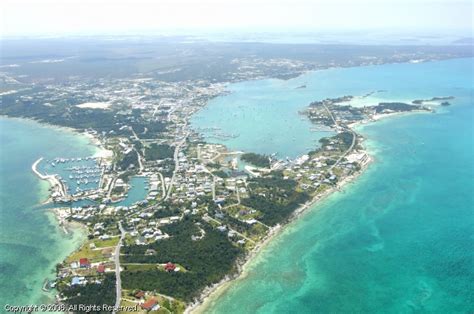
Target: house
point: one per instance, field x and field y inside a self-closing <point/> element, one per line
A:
<point x="84" y="263"/>
<point x="139" y="294"/>
<point x="149" y="252"/>
<point x="170" y="267"/>
<point x="151" y="304"/>
<point x="101" y="269"/>
<point x="76" y="281"/>
<point x="140" y="241"/>
<point x="251" y="221"/>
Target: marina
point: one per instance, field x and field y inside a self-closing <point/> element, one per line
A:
<point x="78" y="175"/>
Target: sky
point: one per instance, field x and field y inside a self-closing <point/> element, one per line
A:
<point x="94" y="17"/>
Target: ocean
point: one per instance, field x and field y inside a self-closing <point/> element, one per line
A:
<point x="31" y="243"/>
<point x="399" y="239"/>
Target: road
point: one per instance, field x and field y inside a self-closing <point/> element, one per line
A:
<point x="347" y="151"/>
<point x="330" y="114"/>
<point x="110" y="187"/>
<point x="176" y="163"/>
<point x="140" y="163"/>
<point x="353" y="139"/>
<point x="163" y="186"/>
<point x="118" y="280"/>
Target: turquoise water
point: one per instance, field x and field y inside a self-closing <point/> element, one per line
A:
<point x="400" y="238"/>
<point x="30" y="241"/>
<point x="74" y="173"/>
<point x="136" y="193"/>
<point x="262" y="116"/>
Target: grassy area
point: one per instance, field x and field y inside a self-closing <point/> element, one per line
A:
<point x="167" y="305"/>
<point x="141" y="267"/>
<point x="107" y="243"/>
<point x="137" y="267"/>
<point x="86" y="252"/>
<point x="130" y="305"/>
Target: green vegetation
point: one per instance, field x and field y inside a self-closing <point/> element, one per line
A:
<point x="275" y="197"/>
<point x="92" y="293"/>
<point x="85" y="252"/>
<point x="394" y="106"/>
<point x="66" y="113"/>
<point x="147" y="129"/>
<point x="106" y="243"/>
<point x="207" y="260"/>
<point x="258" y="160"/>
<point x="221" y="173"/>
<point x="129" y="160"/>
<point x="214" y="165"/>
<point x="158" y="151"/>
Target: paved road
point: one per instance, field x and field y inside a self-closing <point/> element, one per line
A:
<point x="353" y="139"/>
<point x="139" y="158"/>
<point x="347" y="151"/>
<point x="163" y="186"/>
<point x="118" y="281"/>
<point x="176" y="162"/>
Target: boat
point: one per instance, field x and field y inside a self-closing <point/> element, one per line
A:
<point x="47" y="285"/>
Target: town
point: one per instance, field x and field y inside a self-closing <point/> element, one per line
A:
<point x="206" y="207"/>
<point x="202" y="208"/>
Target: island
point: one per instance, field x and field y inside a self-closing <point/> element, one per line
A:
<point x="203" y="218"/>
<point x="207" y="209"/>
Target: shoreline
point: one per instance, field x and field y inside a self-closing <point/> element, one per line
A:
<point x="66" y="235"/>
<point x="68" y="228"/>
<point x="213" y="292"/>
<point x="56" y="186"/>
<point x="93" y="140"/>
<point x="209" y="293"/>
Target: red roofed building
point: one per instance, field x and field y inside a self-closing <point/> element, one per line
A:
<point x="101" y="269"/>
<point x="170" y="266"/>
<point x="150" y="304"/>
<point x="84" y="263"/>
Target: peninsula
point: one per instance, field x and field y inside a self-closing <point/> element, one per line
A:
<point x="203" y="218"/>
<point x="207" y="209"/>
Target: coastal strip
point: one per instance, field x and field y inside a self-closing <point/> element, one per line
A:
<point x="213" y="292"/>
<point x="306" y="180"/>
<point x="320" y="113"/>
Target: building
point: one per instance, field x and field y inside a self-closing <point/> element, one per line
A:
<point x="150" y="305"/>
<point x="169" y="267"/>
<point x="101" y="269"/>
<point x="140" y="294"/>
<point x="84" y="263"/>
<point x="78" y="281"/>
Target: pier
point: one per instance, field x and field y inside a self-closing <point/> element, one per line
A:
<point x="56" y="184"/>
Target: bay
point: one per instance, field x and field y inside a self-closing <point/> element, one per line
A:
<point x="400" y="238"/>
